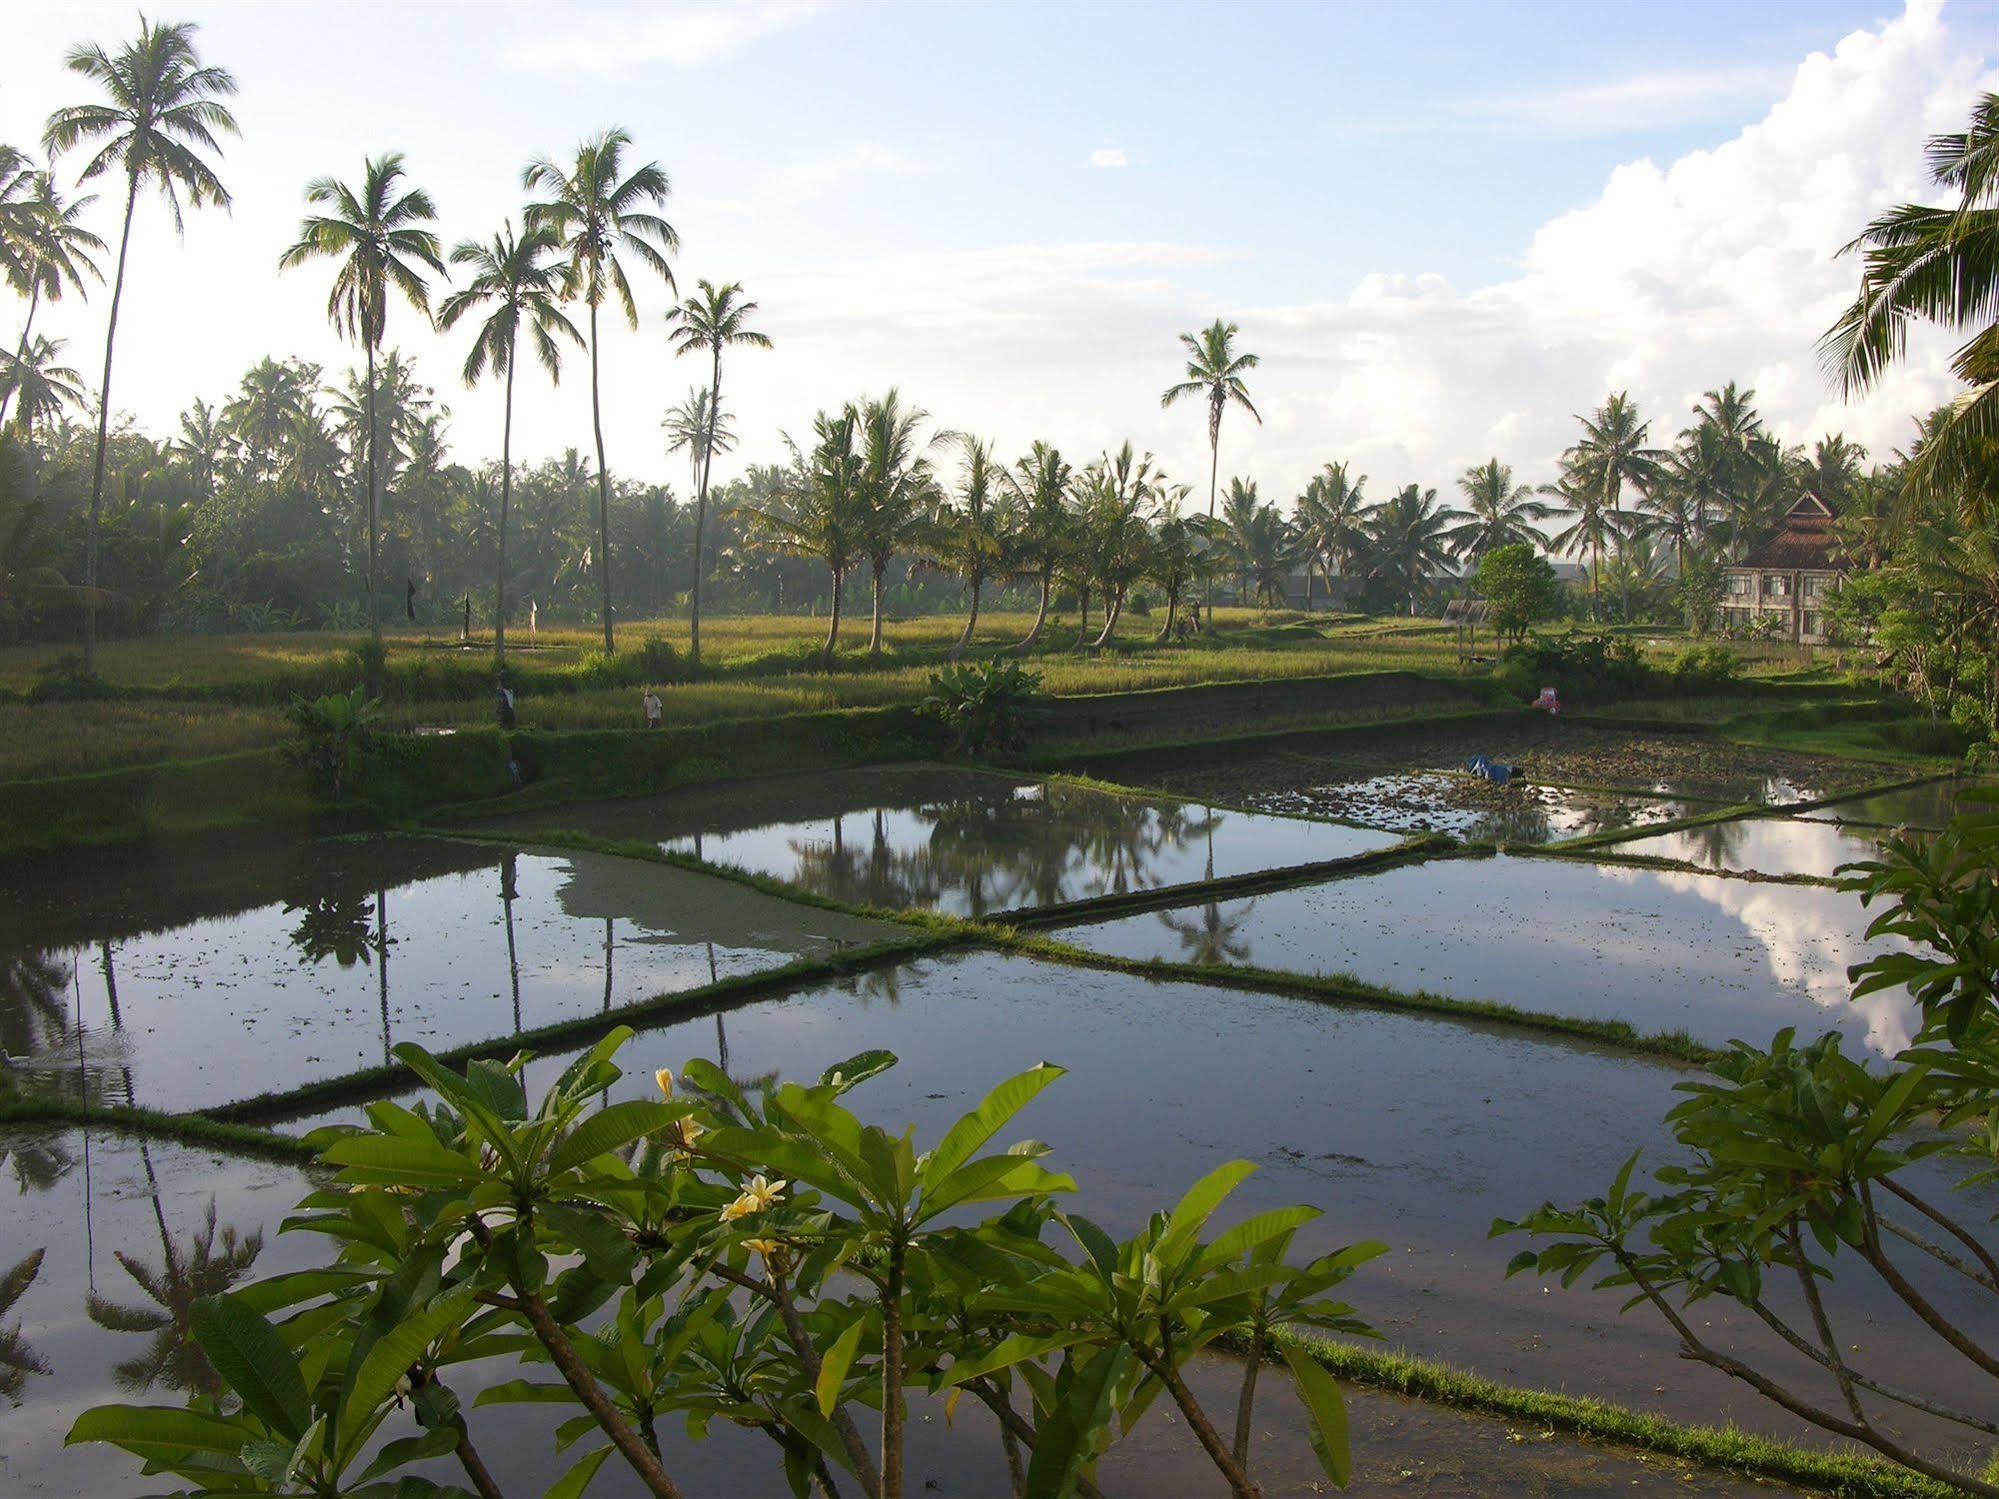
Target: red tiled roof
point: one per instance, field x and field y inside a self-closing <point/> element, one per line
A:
<point x="1803" y="543"/>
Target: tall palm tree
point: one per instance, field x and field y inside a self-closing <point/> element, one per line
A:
<point x="1175" y="552"/>
<point x="163" y="110"/>
<point x="1238" y="521"/>
<point x="598" y="210"/>
<point x="967" y="533"/>
<point x="1117" y="495"/>
<point x="48" y="250"/>
<point x="1498" y="513"/>
<point x="515" y="280"/>
<point x="1038" y="496"/>
<point x="1407" y="542"/>
<point x="897" y="485"/>
<point x="1613" y="453"/>
<point x="1214" y="374"/>
<point x="713" y="319"/>
<point x="696" y="429"/>
<point x="1937" y="264"/>
<point x="380" y="236"/>
<point x="200" y="445"/>
<point x="821" y="512"/>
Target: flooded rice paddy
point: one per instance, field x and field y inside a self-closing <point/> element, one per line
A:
<point x="117" y="1236"/>
<point x="1925" y="807"/>
<point x="1412" y="1129"/>
<point x="1761" y="845"/>
<point x="372" y="942"/>
<point x="1625" y="772"/>
<point x="182" y="984"/>
<point x="964" y="842"/>
<point x="1664" y="950"/>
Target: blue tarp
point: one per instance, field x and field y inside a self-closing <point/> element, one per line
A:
<point x="1492" y="770"/>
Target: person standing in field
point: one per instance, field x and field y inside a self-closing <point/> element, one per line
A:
<point x="652" y="707"/>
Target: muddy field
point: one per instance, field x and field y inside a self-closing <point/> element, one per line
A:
<point x="1610" y="777"/>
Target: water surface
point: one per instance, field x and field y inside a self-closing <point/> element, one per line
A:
<point x="373" y="942"/>
<point x="1411" y="1129"/>
<point x="1662" y="949"/>
<point x="1759" y="845"/>
<point x="961" y="841"/>
<point x="127" y="1232"/>
<point x="1928" y="806"/>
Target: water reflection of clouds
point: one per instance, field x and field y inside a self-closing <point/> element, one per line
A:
<point x="1806" y="953"/>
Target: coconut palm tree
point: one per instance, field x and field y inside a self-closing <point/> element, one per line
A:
<point x="1937" y="264"/>
<point x="821" y="512"/>
<point x="1116" y="499"/>
<point x="597" y="211"/>
<point x="1498" y="513"/>
<point x="1238" y="521"/>
<point x="1612" y="454"/>
<point x="514" y="280"/>
<point x="1038" y="496"/>
<point x="1214" y="374"/>
<point x="967" y="535"/>
<point x="898" y="487"/>
<point x="696" y="429"/>
<point x="1175" y="552"/>
<point x="42" y="387"/>
<point x="1407" y="541"/>
<point x="1329" y="518"/>
<point x="48" y="251"/>
<point x="163" y="109"/>
<point x="381" y="239"/>
<point x="1593" y="525"/>
<point x="713" y="319"/>
<point x="200" y="445"/>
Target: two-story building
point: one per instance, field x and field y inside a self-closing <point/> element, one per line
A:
<point x="1788" y="578"/>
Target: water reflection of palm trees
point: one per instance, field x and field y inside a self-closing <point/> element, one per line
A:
<point x="1004" y="847"/>
<point x="332" y="926"/>
<point x="1718" y="845"/>
<point x="17" y="1359"/>
<point x="209" y="1262"/>
<point x="1211" y="933"/>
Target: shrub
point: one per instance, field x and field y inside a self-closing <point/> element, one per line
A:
<point x="775" y="1262"/>
<point x="1706" y="665"/>
<point x="985" y="705"/>
<point x="1519" y="588"/>
<point x="330" y="738"/>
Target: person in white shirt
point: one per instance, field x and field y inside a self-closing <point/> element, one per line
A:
<point x="652" y="706"/>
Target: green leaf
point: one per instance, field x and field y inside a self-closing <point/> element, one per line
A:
<point x="833" y="1367"/>
<point x="1199" y="1205"/>
<point x="610" y="1128"/>
<point x="253" y="1360"/>
<point x="973" y="1130"/>
<point x="1068" y="1433"/>
<point x="159" y="1433"/>
<point x="391" y="1357"/>
<point x="437" y="1442"/>
<point x="1328" y="1410"/>
<point x="577" y="1479"/>
<point x="381" y="1160"/>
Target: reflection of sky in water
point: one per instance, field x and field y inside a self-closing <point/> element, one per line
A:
<point x="1432" y="801"/>
<point x="991" y="846"/>
<point x="231" y="1006"/>
<point x="1927" y="806"/>
<point x="1414" y="1129"/>
<point x="1761" y="845"/>
<point x="1721" y="958"/>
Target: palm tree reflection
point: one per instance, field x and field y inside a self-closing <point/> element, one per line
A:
<point x="17" y="1359"/>
<point x="209" y="1262"/>
<point x="1211" y="934"/>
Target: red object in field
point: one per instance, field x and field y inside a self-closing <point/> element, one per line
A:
<point x="1547" y="700"/>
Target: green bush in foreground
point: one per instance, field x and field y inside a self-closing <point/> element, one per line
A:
<point x="1795" y="1173"/>
<point x="773" y="1263"/>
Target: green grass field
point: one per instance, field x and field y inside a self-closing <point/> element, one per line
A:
<point x="188" y="697"/>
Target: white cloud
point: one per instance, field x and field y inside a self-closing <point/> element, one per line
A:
<point x="816" y="175"/>
<point x="1641" y="101"/>
<point x="1109" y="156"/>
<point x="682" y="36"/>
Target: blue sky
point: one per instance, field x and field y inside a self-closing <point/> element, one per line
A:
<point x="1446" y="227"/>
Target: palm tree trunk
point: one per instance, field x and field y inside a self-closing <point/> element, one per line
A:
<point x="21" y="350"/>
<point x="1083" y="624"/>
<point x="701" y="506"/>
<point x="374" y="512"/>
<point x="1214" y="470"/>
<point x="875" y="565"/>
<point x="1040" y="613"/>
<point x="1172" y="608"/>
<point x="833" y="628"/>
<point x="104" y="438"/>
<point x="971" y="620"/>
<point x="1113" y="611"/>
<point x="506" y="504"/>
<point x="604" y="492"/>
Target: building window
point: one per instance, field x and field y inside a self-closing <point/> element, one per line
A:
<point x="1812" y="625"/>
<point x="1817" y="586"/>
<point x="1738" y="585"/>
<point x="1776" y="586"/>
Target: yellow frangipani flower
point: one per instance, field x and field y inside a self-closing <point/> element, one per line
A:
<point x="664" y="1077"/>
